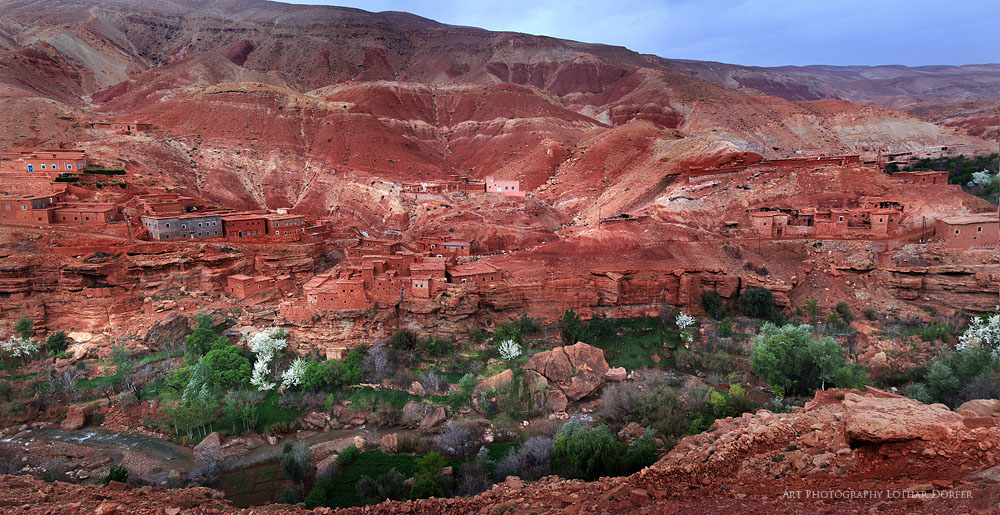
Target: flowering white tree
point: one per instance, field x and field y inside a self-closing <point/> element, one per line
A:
<point x="293" y="375"/>
<point x="266" y="345"/>
<point x="509" y="350"/>
<point x="684" y="320"/>
<point x="18" y="347"/>
<point x="982" y="178"/>
<point x="982" y="332"/>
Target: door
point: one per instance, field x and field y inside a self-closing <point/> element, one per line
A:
<point x="31" y="168"/>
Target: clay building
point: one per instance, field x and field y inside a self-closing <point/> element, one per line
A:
<point x="830" y="222"/>
<point x="81" y="213"/>
<point x="922" y="178"/>
<point x="980" y="231"/>
<point x="168" y="204"/>
<point x="31" y="209"/>
<point x="326" y="292"/>
<point x="444" y="246"/>
<point x="372" y="247"/>
<point x="131" y="127"/>
<point x="477" y="273"/>
<point x="243" y="286"/>
<point x="190" y="226"/>
<point x="285" y="226"/>
<point x="506" y="188"/>
<point x="45" y="161"/>
<point x="245" y="227"/>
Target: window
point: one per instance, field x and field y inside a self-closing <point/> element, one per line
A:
<point x="43" y="167"/>
<point x="69" y="167"/>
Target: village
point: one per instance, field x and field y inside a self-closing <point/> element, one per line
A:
<point x="56" y="188"/>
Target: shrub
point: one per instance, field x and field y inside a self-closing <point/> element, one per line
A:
<point x="870" y="314"/>
<point x="434" y="347"/>
<point x="289" y="495"/>
<point x="660" y="410"/>
<point x="531" y="462"/>
<point x="204" y="339"/>
<point x="844" y="310"/>
<point x="119" y="474"/>
<point x="425" y="488"/>
<point x="348" y="456"/>
<point x="430" y="464"/>
<point x="756" y="302"/>
<point x="391" y="485"/>
<point x="582" y="452"/>
<point x="956" y="376"/>
<point x="293" y="462"/>
<point x="56" y="343"/>
<point x="639" y="454"/>
<point x="571" y="328"/>
<point x="794" y="363"/>
<point x="711" y="301"/>
<point x="403" y="339"/>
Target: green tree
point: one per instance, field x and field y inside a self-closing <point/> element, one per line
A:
<point x="794" y="362"/>
<point x="430" y="464"/>
<point x="24" y="327"/>
<point x="56" y="343"/>
<point x="403" y="339"/>
<point x="391" y="485"/>
<point x="571" y="327"/>
<point x="812" y="309"/>
<point x="711" y="301"/>
<point x="203" y="340"/>
<point x="230" y="369"/>
<point x="756" y="302"/>
<point x="508" y="331"/>
<point x="583" y="452"/>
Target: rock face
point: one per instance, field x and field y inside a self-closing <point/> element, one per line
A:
<point x="495" y="381"/>
<point x="389" y="443"/>
<point x="576" y="370"/>
<point x="76" y="418"/>
<point x="210" y="446"/>
<point x="435" y="416"/>
<point x="870" y="420"/>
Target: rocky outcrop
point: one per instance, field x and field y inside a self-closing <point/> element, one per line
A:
<point x="980" y="408"/>
<point x="575" y="370"/>
<point x="869" y="420"/>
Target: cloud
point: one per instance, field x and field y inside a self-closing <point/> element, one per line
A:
<point x="750" y="32"/>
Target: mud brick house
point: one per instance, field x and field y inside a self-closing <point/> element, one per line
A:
<point x="922" y="178"/>
<point x="168" y="204"/>
<point x="980" y="231"/>
<point x="831" y="222"/>
<point x="284" y="226"/>
<point x="326" y="292"/>
<point x="245" y="227"/>
<point x="86" y="214"/>
<point x="131" y="127"/>
<point x="30" y="209"/>
<point x="505" y="188"/>
<point x="476" y="273"/>
<point x="44" y="161"/>
<point x="190" y="226"/>
<point x="444" y="246"/>
<point x="372" y="247"/>
<point x="243" y="286"/>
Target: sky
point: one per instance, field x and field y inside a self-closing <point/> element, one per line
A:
<point x="747" y="32"/>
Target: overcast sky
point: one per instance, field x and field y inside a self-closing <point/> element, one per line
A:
<point x="749" y="32"/>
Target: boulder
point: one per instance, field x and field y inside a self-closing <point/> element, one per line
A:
<point x="496" y="381"/>
<point x="416" y="389"/>
<point x="332" y="447"/>
<point x="412" y="413"/>
<point x="631" y="432"/>
<point x="877" y="420"/>
<point x="981" y="408"/>
<point x="556" y="400"/>
<point x="326" y="464"/>
<point x="389" y="443"/>
<point x="171" y="328"/>
<point x="435" y="416"/>
<point x="615" y="375"/>
<point x="210" y="446"/>
<point x="76" y="418"/>
<point x="316" y="420"/>
<point x="576" y="370"/>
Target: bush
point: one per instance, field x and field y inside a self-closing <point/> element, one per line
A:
<point x="56" y="343"/>
<point x="332" y="373"/>
<point x="712" y="302"/>
<point x="531" y="462"/>
<point x="639" y="454"/>
<point x="794" y="363"/>
<point x="293" y="462"/>
<point x="289" y="495"/>
<point x="756" y="302"/>
<point x="119" y="474"/>
<point x="204" y="339"/>
<point x="391" y="485"/>
<point x="870" y="314"/>
<point x="348" y="456"/>
<point x="571" y="328"/>
<point x="582" y="452"/>
<point x="660" y="410"/>
<point x="403" y="339"/>
<point x="843" y="309"/>
<point x="430" y="464"/>
<point x="425" y="488"/>
<point x="957" y="376"/>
